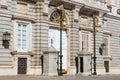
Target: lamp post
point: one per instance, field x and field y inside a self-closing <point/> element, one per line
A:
<point x="62" y="24"/>
<point x="95" y="25"/>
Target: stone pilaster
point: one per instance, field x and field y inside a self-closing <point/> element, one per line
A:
<point x="44" y="26"/>
<point x="74" y="44"/>
<point x="40" y="41"/>
<point x="74" y="40"/>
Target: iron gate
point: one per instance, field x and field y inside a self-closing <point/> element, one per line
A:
<point x="22" y="65"/>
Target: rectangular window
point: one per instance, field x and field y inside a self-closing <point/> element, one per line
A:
<point x="22" y="36"/>
<point x="85" y="42"/>
<point x="105" y="46"/>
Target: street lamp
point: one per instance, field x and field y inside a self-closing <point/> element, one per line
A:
<point x="6" y="39"/>
<point x="62" y="21"/>
<point x="102" y="47"/>
<point x="95" y="29"/>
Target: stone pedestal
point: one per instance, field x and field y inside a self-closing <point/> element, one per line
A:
<point x="50" y="58"/>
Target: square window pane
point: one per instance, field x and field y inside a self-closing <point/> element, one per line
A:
<point x="19" y="39"/>
<point x="18" y="45"/>
<point x="24" y="33"/>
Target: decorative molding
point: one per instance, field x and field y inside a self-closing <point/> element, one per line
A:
<point x="22" y="53"/>
<point x="107" y="32"/>
<point x="76" y="13"/>
<point x="106" y="58"/>
<point x="4" y="7"/>
<point x="5" y="15"/>
<point x="113" y="16"/>
<point x="97" y="9"/>
<point x="86" y="28"/>
<point x="84" y="53"/>
<point x="50" y="50"/>
<point x="21" y="2"/>
<point x="23" y="18"/>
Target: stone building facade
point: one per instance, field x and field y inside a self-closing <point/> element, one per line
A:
<point x="33" y="29"/>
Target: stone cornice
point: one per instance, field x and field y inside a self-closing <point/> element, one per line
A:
<point x="86" y="28"/>
<point x="113" y="16"/>
<point x="23" y="18"/>
<point x="84" y="53"/>
<point x="22" y="53"/>
<point x="97" y="9"/>
<point x="81" y="5"/>
<point x="32" y="1"/>
<point x="75" y="3"/>
<point x="107" y="32"/>
<point x="50" y="50"/>
<point x="6" y="15"/>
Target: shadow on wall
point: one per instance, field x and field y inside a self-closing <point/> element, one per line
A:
<point x="76" y="64"/>
<point x="42" y="63"/>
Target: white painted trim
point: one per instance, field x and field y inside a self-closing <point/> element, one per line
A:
<point x="29" y="35"/>
<point x="15" y="36"/>
<point x="68" y="48"/>
<point x="28" y="62"/>
<point x="108" y="38"/>
<point x="80" y="39"/>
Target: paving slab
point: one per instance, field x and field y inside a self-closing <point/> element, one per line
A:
<point x="66" y="77"/>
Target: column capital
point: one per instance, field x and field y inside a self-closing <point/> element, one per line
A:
<point x="45" y="6"/>
<point x="76" y="13"/>
<point x="47" y="1"/>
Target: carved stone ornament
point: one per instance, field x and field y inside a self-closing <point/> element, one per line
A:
<point x="55" y="16"/>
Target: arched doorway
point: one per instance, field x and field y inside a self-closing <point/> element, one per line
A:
<point x="54" y="35"/>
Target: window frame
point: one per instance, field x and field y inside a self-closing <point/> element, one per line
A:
<point x="81" y="40"/>
<point x="28" y="36"/>
<point x="107" y="45"/>
<point x="20" y="35"/>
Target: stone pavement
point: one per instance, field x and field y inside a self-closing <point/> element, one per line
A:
<point x="67" y="77"/>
